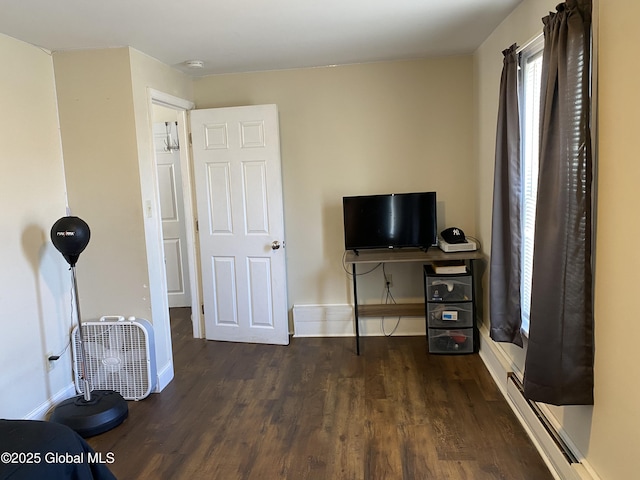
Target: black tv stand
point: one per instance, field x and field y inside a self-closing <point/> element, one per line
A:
<point x="426" y="257"/>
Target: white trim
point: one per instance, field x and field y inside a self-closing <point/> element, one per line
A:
<point x="532" y="42"/>
<point x="551" y="454"/>
<point x="41" y="412"/>
<point x="495" y="360"/>
<point x="323" y="321"/>
<point x="164" y="377"/>
<point x="156" y="97"/>
<point x="169" y="101"/>
<point x="193" y="262"/>
<point x="150" y="199"/>
<point x="499" y="367"/>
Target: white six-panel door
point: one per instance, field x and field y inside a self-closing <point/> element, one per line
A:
<point x="238" y="185"/>
<point x="172" y="212"/>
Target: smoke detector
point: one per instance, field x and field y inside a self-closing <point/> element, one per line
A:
<point x="194" y="63"/>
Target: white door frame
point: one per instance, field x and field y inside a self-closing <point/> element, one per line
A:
<point x="181" y="106"/>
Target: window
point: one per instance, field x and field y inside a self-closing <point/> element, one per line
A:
<point x="530" y="70"/>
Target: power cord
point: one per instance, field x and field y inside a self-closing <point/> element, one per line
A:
<point x="388" y="298"/>
<point x="478" y="244"/>
<point x="350" y="274"/>
<point x="55" y="357"/>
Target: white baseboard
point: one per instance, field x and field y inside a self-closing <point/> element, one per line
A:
<point x="165" y="375"/>
<point x="41" y="412"/>
<point x="499" y="367"/>
<point x="323" y="321"/>
<point x="337" y="321"/>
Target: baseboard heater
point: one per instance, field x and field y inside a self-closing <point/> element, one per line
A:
<point x="544" y="421"/>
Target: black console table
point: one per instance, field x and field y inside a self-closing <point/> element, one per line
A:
<point x="432" y="255"/>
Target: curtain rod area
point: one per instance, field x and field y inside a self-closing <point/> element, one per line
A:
<point x="530" y="42"/>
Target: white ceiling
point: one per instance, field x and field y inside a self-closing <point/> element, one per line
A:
<point x="254" y="35"/>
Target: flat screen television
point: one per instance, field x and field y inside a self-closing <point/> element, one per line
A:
<point x="395" y="220"/>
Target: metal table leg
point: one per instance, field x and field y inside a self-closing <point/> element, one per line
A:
<point x="355" y="308"/>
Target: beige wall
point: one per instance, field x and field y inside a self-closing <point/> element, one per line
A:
<point x="607" y="434"/>
<point x="359" y="129"/>
<point x="615" y="440"/>
<point x="34" y="279"/>
<point x="345" y="130"/>
<point x="104" y="129"/>
<point x="97" y="122"/>
<point x="105" y="118"/>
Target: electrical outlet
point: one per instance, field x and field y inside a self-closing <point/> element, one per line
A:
<point x="51" y="364"/>
<point x="389" y="280"/>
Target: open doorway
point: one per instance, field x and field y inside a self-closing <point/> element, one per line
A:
<point x="166" y="147"/>
<point x="176" y="240"/>
<point x="261" y="310"/>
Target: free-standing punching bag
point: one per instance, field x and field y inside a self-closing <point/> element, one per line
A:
<point x="70" y="235"/>
<point x="96" y="411"/>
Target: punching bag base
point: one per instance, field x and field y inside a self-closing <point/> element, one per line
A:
<point x="105" y="410"/>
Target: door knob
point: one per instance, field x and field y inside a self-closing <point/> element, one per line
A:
<point x="275" y="245"/>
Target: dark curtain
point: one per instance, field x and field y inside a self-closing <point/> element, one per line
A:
<point x="504" y="271"/>
<point x="559" y="360"/>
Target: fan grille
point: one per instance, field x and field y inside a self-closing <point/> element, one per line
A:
<point x="117" y="358"/>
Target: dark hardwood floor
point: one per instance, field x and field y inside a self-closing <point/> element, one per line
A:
<point x="315" y="410"/>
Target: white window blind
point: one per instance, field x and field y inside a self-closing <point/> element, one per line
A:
<point x="530" y="76"/>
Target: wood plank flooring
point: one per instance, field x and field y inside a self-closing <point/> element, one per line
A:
<point x="315" y="410"/>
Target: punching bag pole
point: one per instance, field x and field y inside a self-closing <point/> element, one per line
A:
<point x="101" y="410"/>
<point x="85" y="366"/>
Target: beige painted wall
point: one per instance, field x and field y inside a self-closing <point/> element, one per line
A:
<point x="106" y="130"/>
<point x="360" y="129"/>
<point x="34" y="278"/>
<point x="97" y="121"/>
<point x="615" y="439"/>
<point x="607" y="434"/>
<point x="345" y="130"/>
<point x="104" y="112"/>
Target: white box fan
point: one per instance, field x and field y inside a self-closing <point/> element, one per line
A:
<point x="120" y="356"/>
